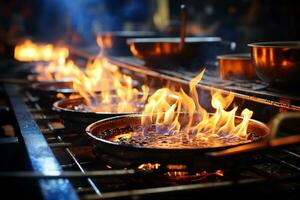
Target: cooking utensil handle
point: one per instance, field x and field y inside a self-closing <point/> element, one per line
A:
<point x="13" y="81"/>
<point x="232" y="45"/>
<point x="271" y="141"/>
<point x="183" y="25"/>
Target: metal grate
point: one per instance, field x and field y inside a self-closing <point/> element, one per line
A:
<point x="98" y="179"/>
<point x="103" y="177"/>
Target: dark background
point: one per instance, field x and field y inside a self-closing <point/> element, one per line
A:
<point x="77" y="21"/>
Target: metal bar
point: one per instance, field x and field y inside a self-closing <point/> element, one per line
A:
<point x="283" y="162"/>
<point x="40" y="155"/>
<point x="9" y="140"/>
<point x="184" y="188"/>
<point x="296" y="155"/>
<point x="72" y="156"/>
<point x="185" y="80"/>
<point x="71" y="174"/>
<point x="84" y="172"/>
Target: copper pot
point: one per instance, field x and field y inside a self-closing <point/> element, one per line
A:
<point x="236" y="66"/>
<point x="167" y="52"/>
<point x="277" y="62"/>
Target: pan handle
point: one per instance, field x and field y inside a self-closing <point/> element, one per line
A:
<point x="230" y="44"/>
<point x="14" y="81"/>
<point x="271" y="141"/>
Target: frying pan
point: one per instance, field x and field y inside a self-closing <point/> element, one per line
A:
<point x="277" y="63"/>
<point x="77" y="119"/>
<point x="96" y="133"/>
<point x="167" y="52"/>
<point x="48" y="92"/>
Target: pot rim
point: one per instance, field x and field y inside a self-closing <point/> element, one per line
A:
<point x="173" y="40"/>
<point x="277" y="44"/>
<point x="237" y="56"/>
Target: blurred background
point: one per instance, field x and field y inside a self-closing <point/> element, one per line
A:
<point x="77" y="22"/>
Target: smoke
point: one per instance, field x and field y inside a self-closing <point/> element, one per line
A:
<point x="84" y="18"/>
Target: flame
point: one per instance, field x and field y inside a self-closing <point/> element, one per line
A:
<point x="63" y="96"/>
<point x="29" y="51"/>
<point x="116" y="88"/>
<point x="166" y="107"/>
<point x="105" y="41"/>
<point x="59" y="70"/>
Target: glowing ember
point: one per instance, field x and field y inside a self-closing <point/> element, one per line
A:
<point x="29" y="51"/>
<point x="173" y="119"/>
<point x="186" y="176"/>
<point x="63" y="96"/>
<point x="179" y="172"/>
<point x="149" y="166"/>
<point x="117" y="91"/>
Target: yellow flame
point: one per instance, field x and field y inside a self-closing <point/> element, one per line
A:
<point x="60" y="70"/>
<point x="29" y="51"/>
<point x="115" y="87"/>
<point x="165" y="107"/>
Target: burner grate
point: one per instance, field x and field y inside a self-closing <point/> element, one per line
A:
<point x="92" y="178"/>
<point x="86" y="176"/>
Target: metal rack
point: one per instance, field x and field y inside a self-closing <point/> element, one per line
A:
<point x="64" y="165"/>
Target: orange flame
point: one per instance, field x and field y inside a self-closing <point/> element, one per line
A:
<point x="116" y="88"/>
<point x="29" y="51"/>
<point x="165" y="107"/>
<point x="105" y="41"/>
<point x="60" y="70"/>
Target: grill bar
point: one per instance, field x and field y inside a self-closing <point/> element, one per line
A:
<point x="40" y="155"/>
<point x="73" y="157"/>
<point x="94" y="176"/>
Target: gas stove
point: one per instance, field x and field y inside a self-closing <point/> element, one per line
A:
<point x="47" y="160"/>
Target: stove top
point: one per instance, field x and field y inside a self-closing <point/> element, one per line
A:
<point x="61" y="164"/>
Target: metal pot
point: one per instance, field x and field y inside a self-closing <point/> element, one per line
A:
<point x="277" y="62"/>
<point x="167" y="52"/>
<point x="236" y="66"/>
